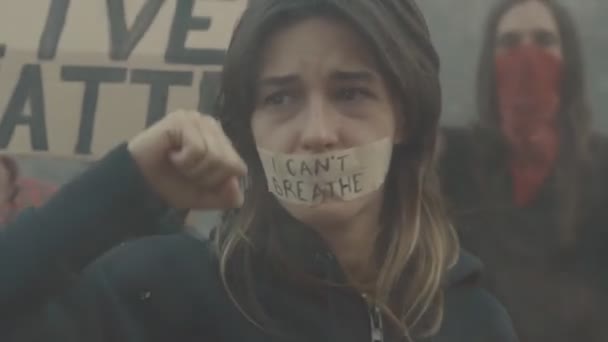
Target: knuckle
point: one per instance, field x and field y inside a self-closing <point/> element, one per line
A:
<point x="207" y="119"/>
<point x="193" y="115"/>
<point x="212" y="123"/>
<point x="175" y="115"/>
<point x="202" y="150"/>
<point x="196" y="147"/>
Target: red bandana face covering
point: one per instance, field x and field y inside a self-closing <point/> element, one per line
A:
<point x="528" y="87"/>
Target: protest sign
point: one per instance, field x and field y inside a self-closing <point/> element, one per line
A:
<point x="79" y="77"/>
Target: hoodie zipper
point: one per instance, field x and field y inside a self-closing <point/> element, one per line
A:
<point x="376" y="324"/>
<point x="375" y="315"/>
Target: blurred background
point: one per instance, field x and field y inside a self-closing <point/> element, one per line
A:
<point x="457" y="26"/>
<point x="540" y="226"/>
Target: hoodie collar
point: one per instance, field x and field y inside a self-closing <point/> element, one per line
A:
<point x="302" y="249"/>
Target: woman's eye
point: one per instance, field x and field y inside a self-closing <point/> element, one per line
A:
<point x="509" y="40"/>
<point x="277" y="99"/>
<point x="546" y="39"/>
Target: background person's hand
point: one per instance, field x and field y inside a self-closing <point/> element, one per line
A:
<point x="188" y="160"/>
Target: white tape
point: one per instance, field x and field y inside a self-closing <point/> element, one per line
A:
<point x="314" y="178"/>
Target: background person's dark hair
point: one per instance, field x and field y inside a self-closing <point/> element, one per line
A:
<point x="574" y="117"/>
<point x="417" y="238"/>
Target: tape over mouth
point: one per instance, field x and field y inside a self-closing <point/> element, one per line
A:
<point x="312" y="179"/>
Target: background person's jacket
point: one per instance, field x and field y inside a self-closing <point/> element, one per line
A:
<point x="167" y="288"/>
<point x="555" y="289"/>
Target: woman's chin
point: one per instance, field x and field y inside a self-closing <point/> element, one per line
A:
<point x="332" y="213"/>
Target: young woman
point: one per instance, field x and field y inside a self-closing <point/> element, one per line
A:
<point x="333" y="107"/>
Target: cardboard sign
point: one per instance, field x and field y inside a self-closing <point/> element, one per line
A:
<point x="312" y="179"/>
<point x="79" y="77"/>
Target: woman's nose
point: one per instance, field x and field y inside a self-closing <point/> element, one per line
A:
<point x="318" y="131"/>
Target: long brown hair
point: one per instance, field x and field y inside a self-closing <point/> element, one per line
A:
<point x="574" y="116"/>
<point x="417" y="239"/>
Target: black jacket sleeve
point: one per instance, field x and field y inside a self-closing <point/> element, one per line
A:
<point x="474" y="315"/>
<point x="44" y="250"/>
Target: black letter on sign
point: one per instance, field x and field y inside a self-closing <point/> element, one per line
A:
<point x="183" y="22"/>
<point x="55" y="21"/>
<point x="122" y="39"/>
<point x="208" y="92"/>
<point x="92" y="78"/>
<point x="2" y="50"/>
<point x="159" y="82"/>
<point x="29" y="88"/>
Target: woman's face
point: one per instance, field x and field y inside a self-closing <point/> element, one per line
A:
<point x="318" y="91"/>
<point x="530" y="22"/>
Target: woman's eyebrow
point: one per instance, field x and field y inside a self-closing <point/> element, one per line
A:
<point x="278" y="81"/>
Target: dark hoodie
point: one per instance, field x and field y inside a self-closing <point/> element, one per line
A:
<point x="546" y="262"/>
<point x="167" y="288"/>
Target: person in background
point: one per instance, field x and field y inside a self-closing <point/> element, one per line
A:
<point x="528" y="183"/>
<point x="302" y="80"/>
<point x="17" y="192"/>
